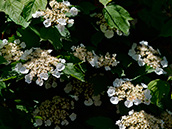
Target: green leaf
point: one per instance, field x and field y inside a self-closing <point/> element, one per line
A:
<point x="117" y="17"/>
<point x="2" y="60"/>
<point x="73" y="71"/>
<point x="2" y="86"/>
<point x="159" y="89"/>
<point x="22" y="108"/>
<point x="105" y="2"/>
<point x="14" y="8"/>
<point x="167" y="29"/>
<point x="101" y="122"/>
<point x="51" y="34"/>
<point x="31" y="6"/>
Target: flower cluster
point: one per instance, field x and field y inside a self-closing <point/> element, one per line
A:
<point x="105" y="28"/>
<point x="124" y="89"/>
<point x="56" y="111"/>
<point x="95" y="60"/>
<point x="139" y="120"/>
<point x="58" y="14"/>
<point x="39" y="63"/>
<point x="145" y="54"/>
<point x="77" y="88"/>
<point x="11" y="51"/>
<point x="167" y="118"/>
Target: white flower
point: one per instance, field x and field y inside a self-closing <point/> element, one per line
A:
<point x="136" y="57"/>
<point x="62" y="61"/>
<point x="128" y="103"/>
<point x="109" y="34"/>
<point x="74" y="97"/>
<point x="49" y="50"/>
<point x="120" y="33"/>
<point x="25" y="54"/>
<point x="47" y="85"/>
<point x="107" y="68"/>
<point x="60" y="67"/>
<point x="134" y="46"/>
<point x="39" y="122"/>
<point x="47" y="23"/>
<point x="144" y="43"/>
<point x="96" y="98"/>
<point x="28" y="78"/>
<point x="137" y="101"/>
<point x="56" y="73"/>
<point x="37" y="14"/>
<point x="118" y="122"/>
<point x="94" y="61"/>
<point x="148" y="96"/>
<point x="141" y="62"/>
<point x="144" y="85"/>
<point x="20" y="68"/>
<point x="47" y="123"/>
<point x="54" y="84"/>
<point x="131" y="52"/>
<point x="67" y="3"/>
<point x="68" y="88"/>
<point x="159" y="71"/>
<point x="88" y="102"/>
<point x="62" y="21"/>
<point x="164" y="62"/>
<point x="131" y="112"/>
<point x="39" y="82"/>
<point x="111" y="91"/>
<point x="65" y="122"/>
<point x="60" y="27"/>
<point x="70" y="22"/>
<point x="73" y="11"/>
<point x="72" y="116"/>
<point x="44" y="76"/>
<point x="23" y="45"/>
<point x="97" y="103"/>
<point x="103" y="28"/>
<point x="114" y="100"/>
<point x="4" y="42"/>
<point x="118" y="82"/>
<point x="57" y="127"/>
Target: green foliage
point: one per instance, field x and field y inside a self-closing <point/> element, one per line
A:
<point x="105" y="2"/>
<point x="101" y="122"/>
<point x="73" y="71"/>
<point x="117" y="17"/>
<point x="159" y="90"/>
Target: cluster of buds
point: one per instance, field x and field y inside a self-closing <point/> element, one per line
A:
<point x="95" y="60"/>
<point x="57" y="111"/>
<point x="145" y="54"/>
<point x="105" y="28"/>
<point x="139" y="120"/>
<point x="11" y="51"/>
<point x="167" y="118"/>
<point x="124" y="89"/>
<point x="58" y="14"/>
<point x="77" y="88"/>
<point x="39" y="62"/>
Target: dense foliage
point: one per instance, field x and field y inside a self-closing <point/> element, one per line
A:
<point x="101" y="64"/>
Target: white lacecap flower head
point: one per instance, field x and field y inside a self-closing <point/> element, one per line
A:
<point x="39" y="122"/>
<point x="67" y="3"/>
<point x="73" y="11"/>
<point x="37" y="14"/>
<point x="47" y="123"/>
<point x="23" y="45"/>
<point x="128" y="103"/>
<point x="72" y="116"/>
<point x="44" y="76"/>
<point x="164" y="62"/>
<point x="111" y="91"/>
<point x="131" y="112"/>
<point x="39" y="82"/>
<point x="47" y="23"/>
<point x="62" y="21"/>
<point x="144" y="43"/>
<point x="68" y="88"/>
<point x="109" y="34"/>
<point x="47" y="85"/>
<point x="88" y="102"/>
<point x="54" y="84"/>
<point x="103" y="28"/>
<point x="118" y="82"/>
<point x="56" y="73"/>
<point x="60" y="67"/>
<point x="114" y="100"/>
<point x="144" y="85"/>
<point x="28" y="78"/>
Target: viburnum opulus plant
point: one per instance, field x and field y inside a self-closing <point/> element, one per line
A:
<point x="85" y="64"/>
